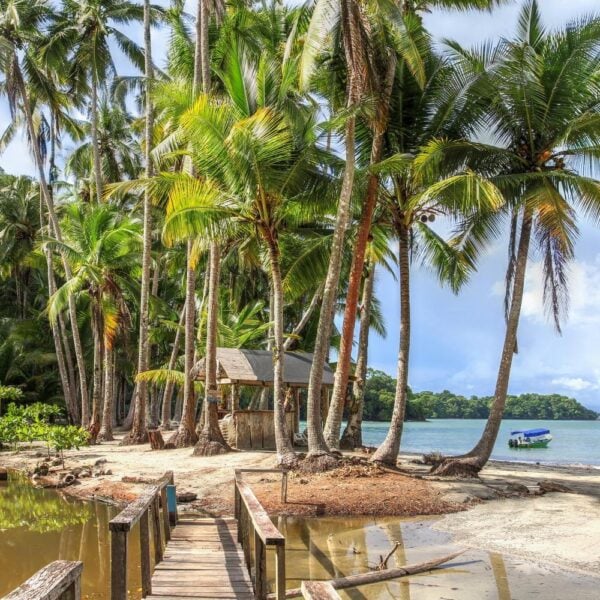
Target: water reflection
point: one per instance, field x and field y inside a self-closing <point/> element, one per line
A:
<point x="329" y="547"/>
<point x="39" y="526"/>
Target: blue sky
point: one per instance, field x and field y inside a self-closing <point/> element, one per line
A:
<point x="457" y="339"/>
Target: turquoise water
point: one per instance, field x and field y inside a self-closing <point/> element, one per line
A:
<point x="575" y="442"/>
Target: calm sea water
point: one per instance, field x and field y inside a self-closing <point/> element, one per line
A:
<point x="575" y="442"/>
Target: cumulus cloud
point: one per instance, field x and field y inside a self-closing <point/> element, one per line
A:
<point x="577" y="384"/>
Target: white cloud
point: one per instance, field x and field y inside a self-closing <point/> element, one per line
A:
<point x="576" y="384"/>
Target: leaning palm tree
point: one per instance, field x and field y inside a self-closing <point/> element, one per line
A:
<point x="413" y="47"/>
<point x="540" y="93"/>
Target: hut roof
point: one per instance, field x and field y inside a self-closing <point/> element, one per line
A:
<point x="255" y="367"/>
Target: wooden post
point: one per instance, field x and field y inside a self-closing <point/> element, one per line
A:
<point x="118" y="564"/>
<point x="158" y="548"/>
<point x="280" y="572"/>
<point x="260" y="567"/>
<point x="165" y="514"/>
<point x="297" y="409"/>
<point x="145" y="554"/>
<point x="284" y="484"/>
<point x="235" y="397"/>
<point x="172" y="504"/>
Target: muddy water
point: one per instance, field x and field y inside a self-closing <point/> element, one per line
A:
<point x="39" y="526"/>
<point x="326" y="548"/>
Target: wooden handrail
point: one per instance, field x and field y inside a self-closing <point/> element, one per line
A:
<point x="255" y="532"/>
<point x="60" y="580"/>
<point x="144" y="509"/>
<point x="319" y="590"/>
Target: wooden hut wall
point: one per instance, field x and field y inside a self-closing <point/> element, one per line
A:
<point x="255" y="429"/>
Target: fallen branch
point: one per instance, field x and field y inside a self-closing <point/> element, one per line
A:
<point x="382" y="566"/>
<point x="377" y="576"/>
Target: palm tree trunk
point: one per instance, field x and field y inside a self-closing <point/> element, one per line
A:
<point x="283" y="443"/>
<point x="340" y="386"/>
<point x="263" y="403"/>
<point x="106" y="430"/>
<point x="472" y="462"/>
<point x="139" y="430"/>
<point x="388" y="451"/>
<point x="211" y="441"/>
<point x="95" y="140"/>
<point x="97" y="372"/>
<point x="54" y="228"/>
<point x="352" y="436"/>
<point x="186" y="434"/>
<point x="317" y="446"/>
<point x="70" y="400"/>
<point x="165" y="421"/>
<point x="308" y="313"/>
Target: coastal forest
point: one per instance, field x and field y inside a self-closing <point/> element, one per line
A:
<point x="245" y="187"/>
<point x="379" y="403"/>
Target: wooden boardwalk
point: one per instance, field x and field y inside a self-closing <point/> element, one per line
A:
<point x="202" y="560"/>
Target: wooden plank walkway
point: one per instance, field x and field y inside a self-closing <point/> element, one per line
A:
<point x="202" y="560"/>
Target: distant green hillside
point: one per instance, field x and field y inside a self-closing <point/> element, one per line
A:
<point x="379" y="400"/>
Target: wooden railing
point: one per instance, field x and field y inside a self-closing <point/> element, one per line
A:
<point x="256" y="533"/>
<point x="319" y="590"/>
<point x="160" y="496"/>
<point x="60" y="580"/>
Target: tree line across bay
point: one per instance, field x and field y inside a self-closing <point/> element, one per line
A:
<point x="379" y="402"/>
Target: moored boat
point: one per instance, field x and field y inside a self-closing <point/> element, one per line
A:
<point x="530" y="438"/>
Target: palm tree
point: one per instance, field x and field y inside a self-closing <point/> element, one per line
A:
<point x="139" y="432"/>
<point x="84" y="31"/>
<point x="22" y="27"/>
<point x="540" y="96"/>
<point x="240" y="198"/>
<point x="103" y="249"/>
<point x="413" y="44"/>
<point x="414" y="198"/>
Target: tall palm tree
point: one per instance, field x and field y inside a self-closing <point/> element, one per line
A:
<point x="22" y="28"/>
<point x="258" y="198"/>
<point x="414" y="43"/>
<point x="139" y="433"/>
<point x="85" y="31"/>
<point x="540" y="93"/>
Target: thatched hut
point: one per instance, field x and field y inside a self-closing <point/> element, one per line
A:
<point x="250" y="428"/>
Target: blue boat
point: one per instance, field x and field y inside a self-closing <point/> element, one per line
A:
<point x="529" y="438"/>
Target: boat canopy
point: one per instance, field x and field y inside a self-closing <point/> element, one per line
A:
<point x="531" y="432"/>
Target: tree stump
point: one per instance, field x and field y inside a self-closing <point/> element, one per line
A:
<point x="156" y="439"/>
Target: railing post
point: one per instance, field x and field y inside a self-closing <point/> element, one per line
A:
<point x="158" y="547"/>
<point x="118" y="564"/>
<point x="172" y="504"/>
<point x="145" y="554"/>
<point x="165" y="514"/>
<point x="280" y="572"/>
<point x="260" y="567"/>
<point x="284" y="485"/>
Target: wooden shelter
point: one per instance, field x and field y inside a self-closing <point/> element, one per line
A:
<point x="254" y="429"/>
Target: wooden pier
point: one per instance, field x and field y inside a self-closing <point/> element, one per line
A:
<point x="193" y="557"/>
<point x="202" y="560"/>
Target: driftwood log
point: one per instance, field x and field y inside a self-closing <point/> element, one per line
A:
<point x="156" y="439"/>
<point x="343" y="583"/>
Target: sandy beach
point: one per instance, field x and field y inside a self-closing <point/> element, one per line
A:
<point x="495" y="514"/>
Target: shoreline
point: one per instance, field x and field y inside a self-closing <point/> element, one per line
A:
<point x="494" y="513"/>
